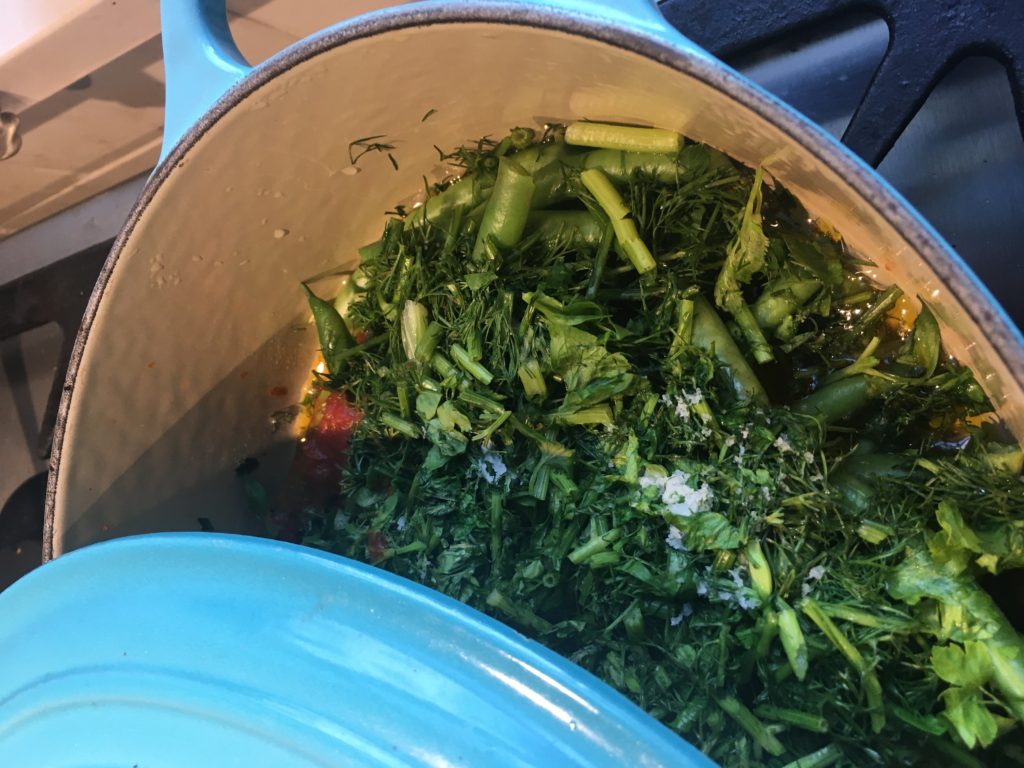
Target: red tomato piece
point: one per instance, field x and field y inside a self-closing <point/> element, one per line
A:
<point x="322" y="454"/>
<point x="316" y="470"/>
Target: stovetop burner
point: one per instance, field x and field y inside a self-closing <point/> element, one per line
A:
<point x="926" y="41"/>
<point x="899" y="80"/>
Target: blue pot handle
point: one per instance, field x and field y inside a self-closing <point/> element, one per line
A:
<point x="201" y="62"/>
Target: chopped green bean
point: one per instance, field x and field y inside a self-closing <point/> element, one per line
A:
<point x="835" y="402"/>
<point x="400" y="425"/>
<point x="470" y="366"/>
<point x="577" y="229"/>
<point x="597" y="544"/>
<point x="710" y="333"/>
<point x="748" y="721"/>
<point x="626" y="138"/>
<point x="507" y="210"/>
<point x="835" y="635"/>
<point x="805" y="720"/>
<point x="782" y="299"/>
<point x="821" y="758"/>
<point x="625" y="228"/>
<point x="793" y="641"/>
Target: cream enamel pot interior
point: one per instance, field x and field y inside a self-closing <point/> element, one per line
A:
<point x="198" y="332"/>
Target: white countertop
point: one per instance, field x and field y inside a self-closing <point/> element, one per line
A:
<point x="86" y="79"/>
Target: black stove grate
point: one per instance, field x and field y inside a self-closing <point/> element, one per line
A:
<point x="926" y="40"/>
<point x="57" y="293"/>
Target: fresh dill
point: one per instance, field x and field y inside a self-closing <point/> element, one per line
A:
<point x="710" y="481"/>
<point x="358" y="148"/>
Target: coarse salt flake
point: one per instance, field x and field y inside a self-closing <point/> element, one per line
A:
<point x="686" y="611"/>
<point x="746" y="602"/>
<point x="675" y="539"/>
<point x="491" y="467"/>
<point x="682" y="410"/>
<point x="677" y="494"/>
<point x="736" y="574"/>
<point x="683" y="500"/>
<point x="782" y="444"/>
<point x="738" y="458"/>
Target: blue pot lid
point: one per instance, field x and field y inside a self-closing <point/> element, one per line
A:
<point x="210" y="650"/>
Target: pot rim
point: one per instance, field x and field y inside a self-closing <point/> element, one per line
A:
<point x="678" y="54"/>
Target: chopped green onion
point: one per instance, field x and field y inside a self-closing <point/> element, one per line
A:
<point x="683" y="335"/>
<point x="604" y="559"/>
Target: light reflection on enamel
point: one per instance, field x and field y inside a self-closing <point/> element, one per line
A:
<point x="554" y="684"/>
<point x="526" y="692"/>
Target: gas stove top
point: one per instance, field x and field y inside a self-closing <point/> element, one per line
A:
<point x="927" y="96"/>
